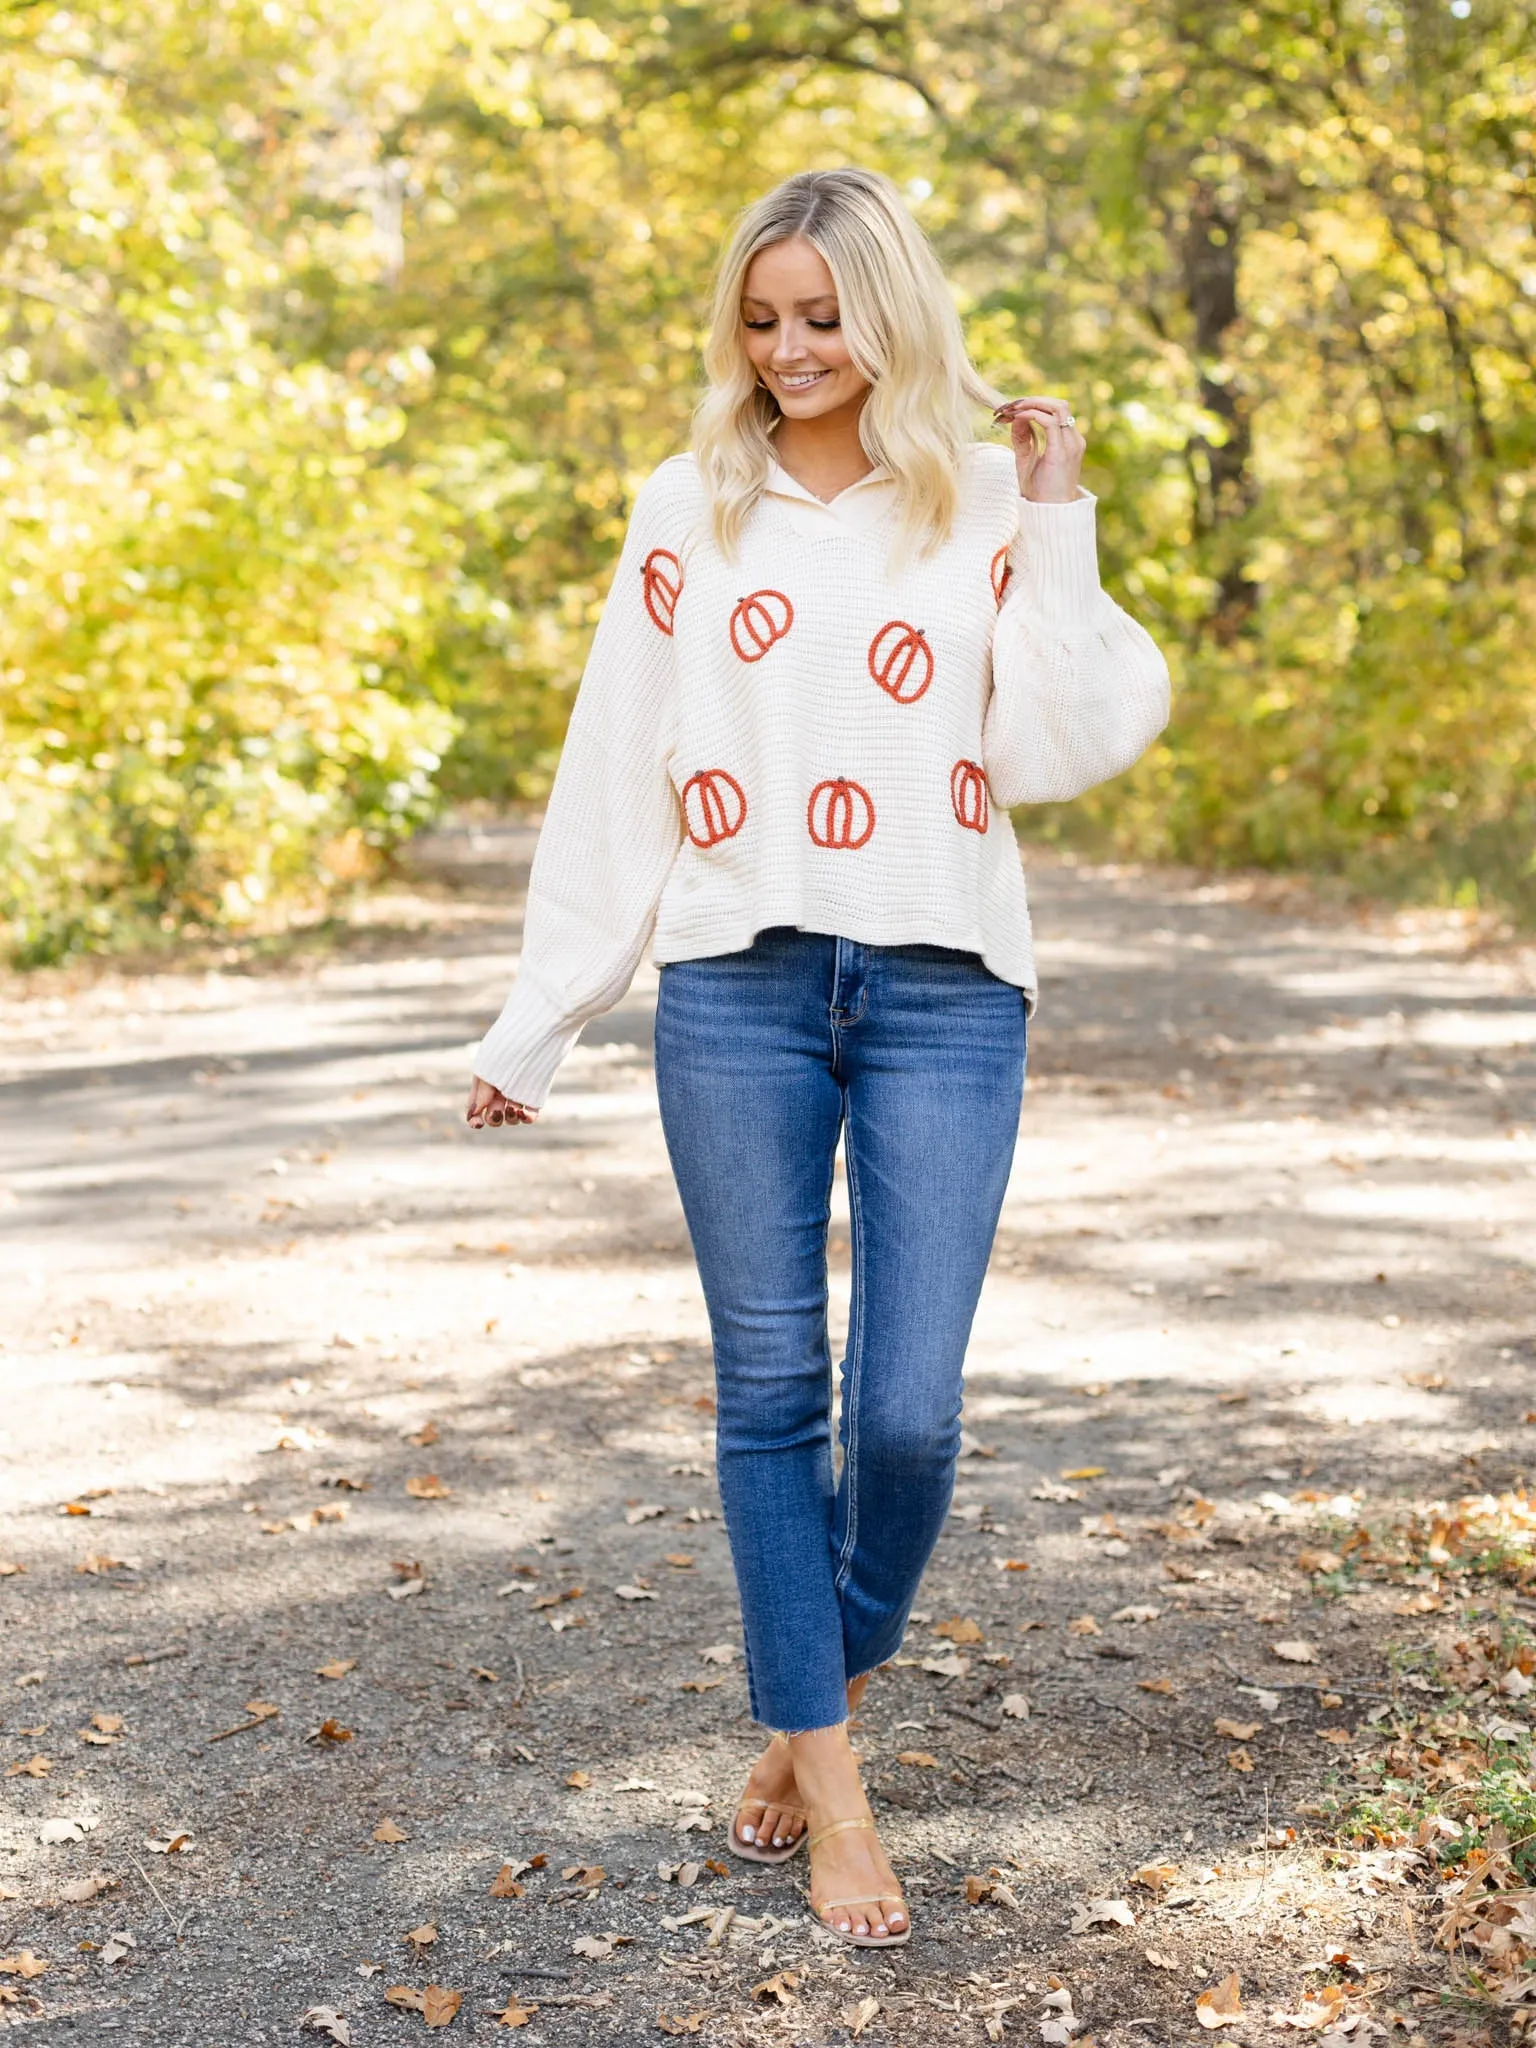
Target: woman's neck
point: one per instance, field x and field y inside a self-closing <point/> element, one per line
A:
<point x="825" y="454"/>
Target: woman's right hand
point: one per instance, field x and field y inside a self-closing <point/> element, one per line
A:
<point x="487" y="1105"/>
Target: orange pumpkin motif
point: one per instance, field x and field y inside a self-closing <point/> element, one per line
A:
<point x="1002" y="575"/>
<point x="840" y="814"/>
<point x="661" y="581"/>
<point x="968" y="794"/>
<point x="714" y="806"/>
<point x="901" y="661"/>
<point x="758" y="621"/>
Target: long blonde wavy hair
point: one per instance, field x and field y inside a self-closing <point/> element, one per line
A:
<point x="903" y="336"/>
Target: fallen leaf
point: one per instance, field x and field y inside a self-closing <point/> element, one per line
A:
<point x="405" y="1995"/>
<point x="485" y="1675"/>
<point x="73" y="1507"/>
<point x="720" y="1653"/>
<point x="504" y="1885"/>
<point x="516" y="2014"/>
<point x="960" y="1629"/>
<point x="1015" y="1706"/>
<point x="427" y="1486"/>
<point x="405" y="1588"/>
<point x="176" y="1844"/>
<point x="1319" y="1561"/>
<point x="1083" y="1625"/>
<point x="1318" y="2009"/>
<point x="1294" y="1652"/>
<point x="1239" y="1760"/>
<point x="1140" y="1613"/>
<point x="857" y="2017"/>
<point x="54" y="1833"/>
<point x="646" y="1512"/>
<point x="1011" y="1564"/>
<point x="1222" y="2005"/>
<point x="700" y="1684"/>
<point x="680" y="1560"/>
<point x="1155" y="1877"/>
<point x="325" y="2019"/>
<point x="1084" y="1471"/>
<point x="421" y="1937"/>
<point x="30" y="1767"/>
<point x="950" y="1665"/>
<point x="9" y="1569"/>
<point x="554" y="1599"/>
<point x="579" y="1780"/>
<point x="427" y="1434"/>
<point x="588" y="1875"/>
<point x="1240" y="1731"/>
<point x="337" y="1668"/>
<point x="636" y="1785"/>
<point x="636" y="1593"/>
<point x="439" y="2007"/>
<point x="330" y="1732"/>
<point x="1339" y="1735"/>
<point x="107" y="1724"/>
<point x="782" y="1986"/>
<point x="1157" y="1685"/>
<point x="596" y="1947"/>
<point x="919" y="1759"/>
<point x="23" y="1964"/>
<point x="1102" y="1913"/>
<point x="80" y="1890"/>
<point x="1160" y="1961"/>
<point x="117" y="1946"/>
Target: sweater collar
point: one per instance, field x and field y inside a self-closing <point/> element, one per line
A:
<point x="857" y="509"/>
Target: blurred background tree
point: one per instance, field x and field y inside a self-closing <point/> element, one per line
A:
<point x="337" y="342"/>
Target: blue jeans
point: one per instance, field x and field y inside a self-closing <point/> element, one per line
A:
<point x="916" y="1055"/>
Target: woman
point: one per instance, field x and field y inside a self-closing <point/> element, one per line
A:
<point x="841" y="632"/>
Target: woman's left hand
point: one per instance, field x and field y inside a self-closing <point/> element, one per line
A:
<point x="1048" y="473"/>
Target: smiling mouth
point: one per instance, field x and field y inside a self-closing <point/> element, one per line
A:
<point x="802" y="383"/>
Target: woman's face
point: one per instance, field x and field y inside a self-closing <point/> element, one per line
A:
<point x="792" y="332"/>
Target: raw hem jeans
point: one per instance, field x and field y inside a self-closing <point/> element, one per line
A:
<point x="916" y="1055"/>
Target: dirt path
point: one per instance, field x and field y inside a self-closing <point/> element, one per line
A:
<point x="332" y="1384"/>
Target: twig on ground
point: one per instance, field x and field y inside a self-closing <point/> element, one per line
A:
<point x="992" y="1727"/>
<point x="1149" y="1727"/>
<point x="1314" y="1685"/>
<point x="178" y="1925"/>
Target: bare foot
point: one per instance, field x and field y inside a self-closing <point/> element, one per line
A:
<point x="852" y="1885"/>
<point x="771" y="1787"/>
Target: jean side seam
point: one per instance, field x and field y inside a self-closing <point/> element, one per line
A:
<point x="856" y="1361"/>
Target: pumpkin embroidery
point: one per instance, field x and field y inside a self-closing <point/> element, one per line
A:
<point x="1002" y="575"/>
<point x="714" y="806"/>
<point x="901" y="661"/>
<point x="840" y="813"/>
<point x="758" y="621"/>
<point x="661" y="581"/>
<point x="968" y="794"/>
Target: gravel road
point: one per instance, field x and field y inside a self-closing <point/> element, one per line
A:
<point x="310" y="1398"/>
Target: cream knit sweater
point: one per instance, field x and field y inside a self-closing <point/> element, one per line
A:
<point x="795" y="739"/>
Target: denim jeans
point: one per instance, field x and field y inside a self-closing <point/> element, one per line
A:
<point x="916" y="1055"/>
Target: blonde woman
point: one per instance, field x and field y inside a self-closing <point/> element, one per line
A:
<point x="843" y="637"/>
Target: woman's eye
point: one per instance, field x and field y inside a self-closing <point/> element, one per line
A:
<point x="824" y="326"/>
<point x="757" y="326"/>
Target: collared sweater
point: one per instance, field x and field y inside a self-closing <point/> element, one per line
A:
<point x="799" y="738"/>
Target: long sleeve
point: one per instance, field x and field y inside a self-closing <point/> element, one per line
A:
<point x="612" y="827"/>
<point x="1079" y="690"/>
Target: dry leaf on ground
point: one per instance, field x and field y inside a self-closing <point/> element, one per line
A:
<point x="325" y="2019"/>
<point x="1015" y="1706"/>
<point x="80" y="1890"/>
<point x="857" y="2017"/>
<point x="30" y="1767"/>
<point x="117" y="1946"/>
<point x="1155" y="1877"/>
<point x="579" y="1780"/>
<point x="22" y="1964"/>
<point x="330" y="1731"/>
<point x="426" y="1486"/>
<point x="1164" y="1686"/>
<point x="1222" y="2005"/>
<point x="783" y="1986"/>
<point x="1318" y="2009"/>
<point x="1240" y="1731"/>
<point x="337" y="1668"/>
<point x="588" y="1875"/>
<point x="720" y="1653"/>
<point x="427" y="1434"/>
<point x="1319" y="1561"/>
<point x="1159" y="1961"/>
<point x="1294" y="1652"/>
<point x="1139" y="1613"/>
<point x="596" y="1948"/>
<point x="960" y="1629"/>
<point x="646" y="1511"/>
<point x="1239" y="1760"/>
<point x="436" y="2005"/>
<point x="636" y="1593"/>
<point x="1083" y="1625"/>
<point x="53" y="1834"/>
<point x="504" y="1884"/>
<point x="680" y="2023"/>
<point x="516" y="2014"/>
<point x="919" y="1759"/>
<point x="387" y="1831"/>
<point x="177" y="1843"/>
<point x="421" y="1937"/>
<point x="1102" y="1913"/>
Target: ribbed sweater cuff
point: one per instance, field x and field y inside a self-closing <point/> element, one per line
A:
<point x="522" y="1049"/>
<point x="1060" y="565"/>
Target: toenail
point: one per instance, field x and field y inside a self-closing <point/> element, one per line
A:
<point x="747" y="1835"/>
